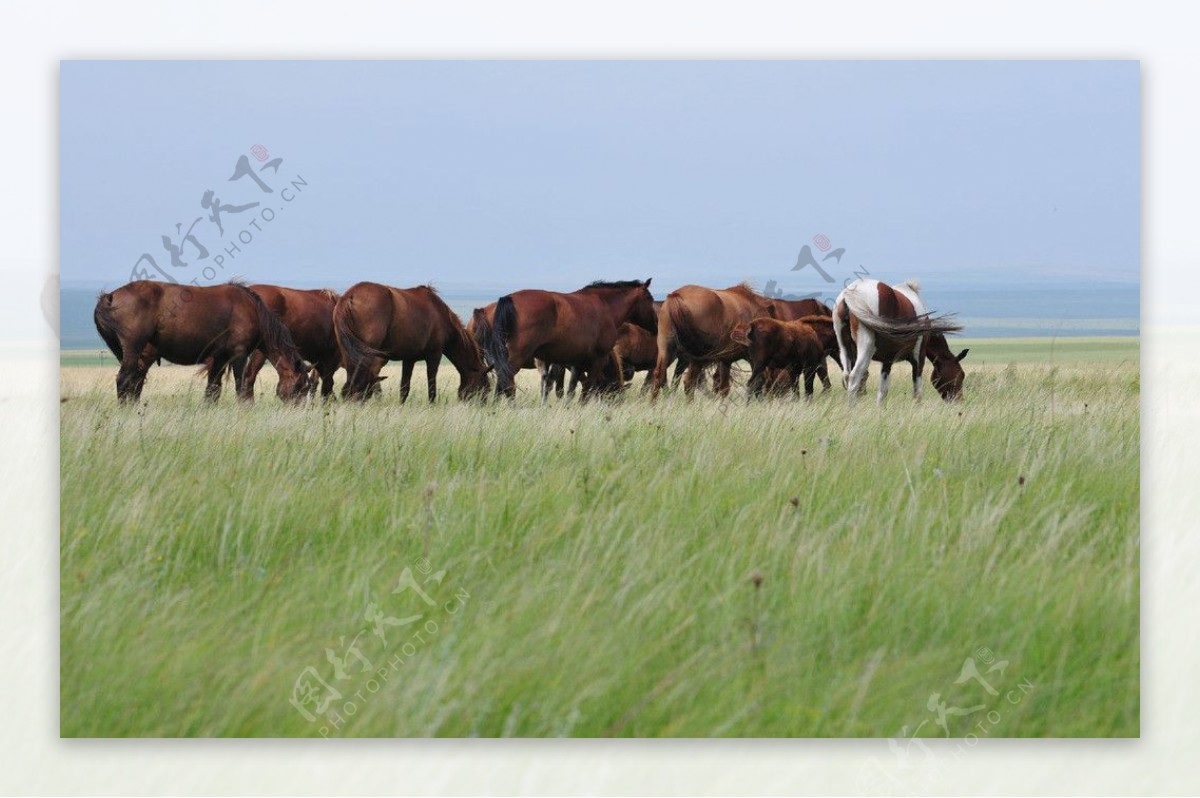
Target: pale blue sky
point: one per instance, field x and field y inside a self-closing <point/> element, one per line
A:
<point x="521" y="174"/>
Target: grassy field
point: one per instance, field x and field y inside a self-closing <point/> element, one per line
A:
<point x="767" y="569"/>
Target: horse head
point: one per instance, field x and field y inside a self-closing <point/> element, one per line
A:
<point x="474" y="384"/>
<point x="295" y="380"/>
<point x="947" y="376"/>
<point x="644" y="313"/>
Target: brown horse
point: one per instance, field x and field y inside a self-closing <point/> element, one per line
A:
<point x="308" y="315"/>
<point x="790" y="310"/>
<point x="701" y="320"/>
<point x="145" y="322"/>
<point x="375" y="323"/>
<point x="887" y="323"/>
<point x="789" y="348"/>
<point x="576" y="329"/>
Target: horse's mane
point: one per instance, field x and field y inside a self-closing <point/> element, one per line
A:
<point x="745" y="289"/>
<point x="614" y="284"/>
<point x="912" y="285"/>
<point x="329" y="293"/>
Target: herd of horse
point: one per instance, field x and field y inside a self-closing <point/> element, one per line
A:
<point x="602" y="335"/>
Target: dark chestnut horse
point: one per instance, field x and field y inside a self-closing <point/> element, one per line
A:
<point x="789" y="348"/>
<point x="308" y="315"/>
<point x="214" y="325"/>
<point x="576" y="329"/>
<point x="701" y="320"/>
<point x="790" y="310"/>
<point x="375" y="323"/>
<point x="887" y="323"/>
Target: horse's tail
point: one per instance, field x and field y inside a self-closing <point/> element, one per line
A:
<point x="492" y="336"/>
<point x="355" y="351"/>
<point x="694" y="341"/>
<point x="106" y="324"/>
<point x="827" y="320"/>
<point x="897" y="330"/>
<point x="274" y="333"/>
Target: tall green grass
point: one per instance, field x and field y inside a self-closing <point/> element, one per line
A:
<point x="768" y="569"/>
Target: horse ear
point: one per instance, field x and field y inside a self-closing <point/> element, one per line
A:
<point x="648" y="279"/>
<point x="962" y="354"/>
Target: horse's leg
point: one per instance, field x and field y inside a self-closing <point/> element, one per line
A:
<point x="245" y="373"/>
<point x="594" y="381"/>
<point x="858" y="374"/>
<point x="757" y="383"/>
<point x="574" y="384"/>
<point x="885" y="373"/>
<point x="823" y="373"/>
<point x="680" y="369"/>
<point x="689" y="379"/>
<point x="841" y="334"/>
<point x="721" y="379"/>
<point x="326" y="369"/>
<point x="139" y="383"/>
<point x="216" y="371"/>
<point x="646" y="383"/>
<point x="431" y="369"/>
<point x="128" y="374"/>
<point x="541" y="368"/>
<point x="144" y="361"/>
<point x="560" y="378"/>
<point x="544" y="378"/>
<point x="237" y="364"/>
<point x="809" y="373"/>
<point x="917" y="359"/>
<point x="406" y="371"/>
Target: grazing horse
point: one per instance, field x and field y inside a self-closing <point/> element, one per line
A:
<point x="701" y="320"/>
<point x="873" y="320"/>
<point x="790" y="348"/>
<point x="576" y="329"/>
<point x="308" y="315"/>
<point x="376" y="323"/>
<point x="145" y="322"/>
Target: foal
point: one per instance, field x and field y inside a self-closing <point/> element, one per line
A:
<point x="793" y="347"/>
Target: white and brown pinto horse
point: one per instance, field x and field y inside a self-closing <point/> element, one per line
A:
<point x="886" y="323"/>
